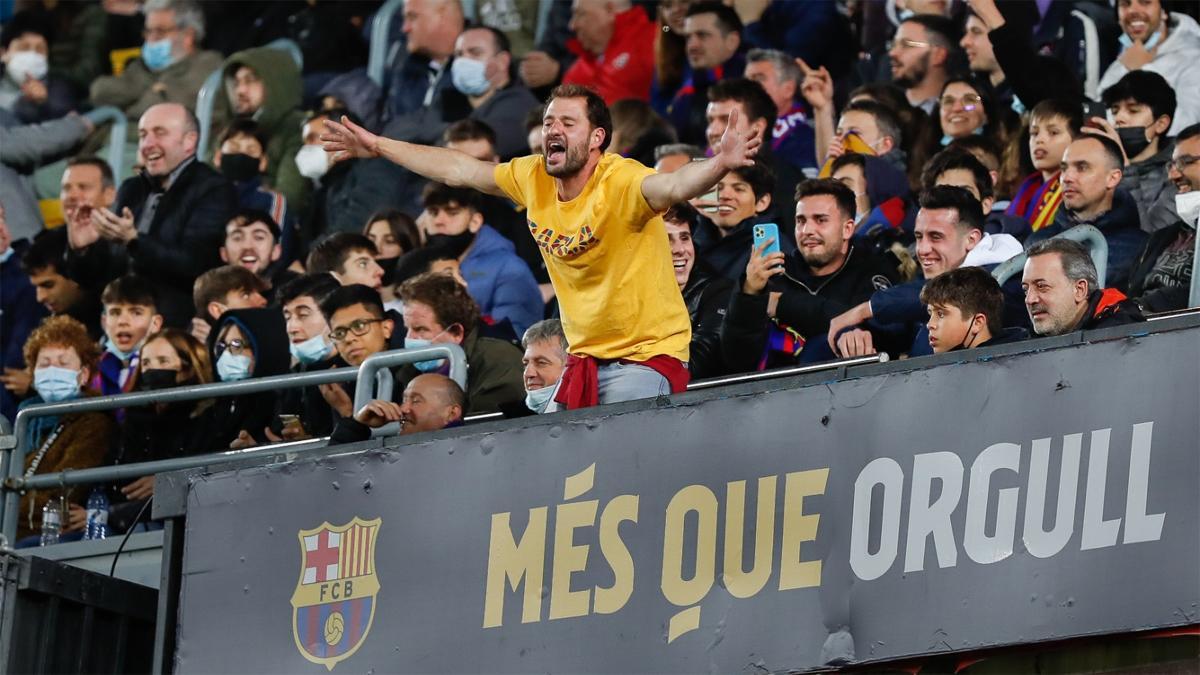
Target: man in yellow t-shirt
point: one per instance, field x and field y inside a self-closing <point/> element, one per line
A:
<point x="597" y="219"/>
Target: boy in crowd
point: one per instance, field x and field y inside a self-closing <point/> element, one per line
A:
<point x="349" y="257"/>
<point x="1053" y="124"/>
<point x="1141" y="108"/>
<point x="130" y="314"/>
<point x="966" y="308"/>
<point x="220" y="290"/>
<point x="312" y="349"/>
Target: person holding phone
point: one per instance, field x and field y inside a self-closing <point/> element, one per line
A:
<point x="783" y="300"/>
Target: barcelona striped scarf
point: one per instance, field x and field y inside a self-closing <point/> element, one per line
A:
<point x="1037" y="200"/>
<point x="781" y="339"/>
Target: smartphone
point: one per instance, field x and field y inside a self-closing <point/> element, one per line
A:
<point x="763" y="232"/>
<point x="289" y="420"/>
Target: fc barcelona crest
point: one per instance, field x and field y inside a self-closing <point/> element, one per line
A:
<point x="334" y="601"/>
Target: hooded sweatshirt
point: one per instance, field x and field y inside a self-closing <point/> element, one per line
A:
<point x="279" y="117"/>
<point x="1175" y="59"/>
<point x="266" y="331"/>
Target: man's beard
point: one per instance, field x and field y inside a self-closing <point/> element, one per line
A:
<point x="919" y="70"/>
<point x="818" y="257"/>
<point x="576" y="158"/>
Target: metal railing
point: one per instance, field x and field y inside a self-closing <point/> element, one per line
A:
<point x="116" y="135"/>
<point x="1194" y="294"/>
<point x="1084" y="234"/>
<point x="381" y="30"/>
<point x="12" y="462"/>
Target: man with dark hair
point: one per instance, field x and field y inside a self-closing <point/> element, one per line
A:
<point x="715" y="52"/>
<point x="349" y="257"/>
<point x="756" y="115"/>
<point x="966" y="310"/>
<point x="1063" y="295"/>
<point x="626" y="322"/>
<point x="948" y="228"/>
<point x="167" y="223"/>
<point x="438" y="310"/>
<point x="358" y="329"/>
<point x="744" y="199"/>
<point x="1162" y="277"/>
<point x="921" y="54"/>
<point x="252" y="241"/>
<point x="960" y="168"/>
<point x="499" y="281"/>
<point x="614" y="49"/>
<point x="769" y="322"/>
<point x="58" y="293"/>
<point x="705" y="291"/>
<point x="304" y="412"/>
<point x="1091" y="171"/>
<point x="1141" y="107"/>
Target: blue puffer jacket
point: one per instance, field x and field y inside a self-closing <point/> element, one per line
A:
<point x="1121" y="228"/>
<point x="501" y="282"/>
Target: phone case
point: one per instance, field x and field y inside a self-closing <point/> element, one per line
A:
<point x="763" y="232"/>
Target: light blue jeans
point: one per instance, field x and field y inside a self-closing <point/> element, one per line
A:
<point x="623" y="382"/>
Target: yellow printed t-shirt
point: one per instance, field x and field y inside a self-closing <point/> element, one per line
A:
<point x="608" y="256"/>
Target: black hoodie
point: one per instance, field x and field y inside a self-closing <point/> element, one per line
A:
<point x="266" y="331"/>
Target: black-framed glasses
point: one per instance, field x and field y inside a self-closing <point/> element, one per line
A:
<point x="234" y="347"/>
<point x="358" y="327"/>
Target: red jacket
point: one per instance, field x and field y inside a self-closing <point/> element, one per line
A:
<point x="627" y="65"/>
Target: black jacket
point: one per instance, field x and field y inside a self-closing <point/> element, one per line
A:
<point x="1159" y="299"/>
<point x="267" y="333"/>
<point x="728" y="255"/>
<point x="706" y="296"/>
<point x="183" y="242"/>
<point x="1109" y="307"/>
<point x="807" y="304"/>
<point x="307" y="403"/>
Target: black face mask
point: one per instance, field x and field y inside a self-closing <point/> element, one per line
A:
<point x="455" y="244"/>
<point x="238" y="167"/>
<point x="157" y="378"/>
<point x="1133" y="139"/>
<point x="389" y="269"/>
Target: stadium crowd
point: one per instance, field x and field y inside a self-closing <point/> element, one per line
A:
<point x="597" y="203"/>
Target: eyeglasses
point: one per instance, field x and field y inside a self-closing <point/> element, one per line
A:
<point x="359" y="327"/>
<point x="158" y="33"/>
<point x="234" y="347"/>
<point x="1183" y="162"/>
<point x="969" y="101"/>
<point x="905" y="43"/>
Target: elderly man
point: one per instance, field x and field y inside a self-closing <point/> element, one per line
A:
<point x="1062" y="293"/>
<point x="430" y="402"/>
<point x="167" y="224"/>
<point x="614" y="43"/>
<point x="171" y="69"/>
<point x="431" y="28"/>
<point x="544" y="360"/>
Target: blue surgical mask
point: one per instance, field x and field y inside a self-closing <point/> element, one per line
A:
<point x="157" y="54"/>
<point x="111" y="348"/>
<point x="311" y="350"/>
<point x="469" y="76"/>
<point x="538" y="399"/>
<point x="418" y="343"/>
<point x="233" y="367"/>
<point x="1017" y="106"/>
<point x="55" y="384"/>
<point x="8" y="253"/>
<point x="1126" y="42"/>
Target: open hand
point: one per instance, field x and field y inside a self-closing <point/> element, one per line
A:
<point x="1099" y="126"/>
<point x="348" y="140"/>
<point x="736" y="149"/>
<point x="338" y="399"/>
<point x="378" y="413"/>
<point x="81" y="229"/>
<point x="17" y="380"/>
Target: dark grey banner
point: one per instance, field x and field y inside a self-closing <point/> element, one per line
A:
<point x="1025" y="498"/>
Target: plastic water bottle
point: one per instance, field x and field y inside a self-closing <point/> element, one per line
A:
<point x="97" y="515"/>
<point x="51" y="522"/>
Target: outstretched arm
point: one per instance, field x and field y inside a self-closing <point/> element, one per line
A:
<point x="456" y="169"/>
<point x="663" y="190"/>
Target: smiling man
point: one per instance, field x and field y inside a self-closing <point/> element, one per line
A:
<point x="705" y="292"/>
<point x="596" y="219"/>
<point x="167" y="223"/>
<point x="1062" y="293"/>
<point x="768" y="324"/>
<point x="743" y="201"/>
<point x="252" y="241"/>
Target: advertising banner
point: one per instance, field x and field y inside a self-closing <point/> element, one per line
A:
<point x="1019" y="499"/>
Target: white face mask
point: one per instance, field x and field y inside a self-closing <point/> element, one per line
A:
<point x="313" y="162"/>
<point x="1187" y="205"/>
<point x="26" y="64"/>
